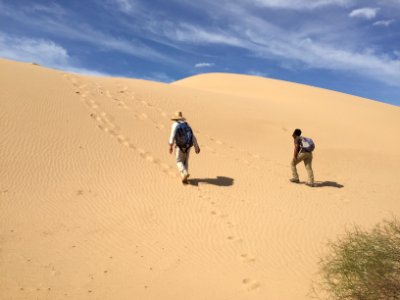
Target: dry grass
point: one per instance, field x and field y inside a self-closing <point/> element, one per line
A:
<point x="364" y="265"/>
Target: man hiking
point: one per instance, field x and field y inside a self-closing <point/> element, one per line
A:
<point x="183" y="138"/>
<point x="303" y="148"/>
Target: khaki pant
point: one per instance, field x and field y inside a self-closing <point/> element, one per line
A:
<point x="182" y="160"/>
<point x="307" y="157"/>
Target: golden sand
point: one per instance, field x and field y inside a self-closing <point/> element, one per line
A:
<point x="91" y="206"/>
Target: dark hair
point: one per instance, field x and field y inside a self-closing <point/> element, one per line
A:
<point x="297" y="132"/>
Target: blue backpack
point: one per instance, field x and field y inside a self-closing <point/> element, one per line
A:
<point x="184" y="136"/>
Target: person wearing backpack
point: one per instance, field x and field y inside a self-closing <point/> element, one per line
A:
<point x="183" y="138"/>
<point x="303" y="148"/>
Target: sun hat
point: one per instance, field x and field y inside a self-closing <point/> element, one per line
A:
<point x="178" y="116"/>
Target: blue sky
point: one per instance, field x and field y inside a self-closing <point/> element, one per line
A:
<point x="352" y="46"/>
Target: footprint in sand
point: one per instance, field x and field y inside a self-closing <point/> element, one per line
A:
<point x="230" y="224"/>
<point x="121" y="138"/>
<point x="106" y="124"/>
<point x="235" y="239"/>
<point x="246" y="258"/>
<point x="251" y="284"/>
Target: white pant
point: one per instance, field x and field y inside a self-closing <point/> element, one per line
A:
<point x="182" y="160"/>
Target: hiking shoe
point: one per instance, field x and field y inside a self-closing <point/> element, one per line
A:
<point x="310" y="184"/>
<point x="294" y="180"/>
<point x="185" y="177"/>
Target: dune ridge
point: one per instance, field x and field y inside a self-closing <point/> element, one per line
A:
<point x="92" y="207"/>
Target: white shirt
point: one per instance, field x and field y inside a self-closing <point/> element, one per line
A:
<point x="173" y="132"/>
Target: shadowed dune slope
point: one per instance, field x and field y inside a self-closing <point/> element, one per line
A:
<point x="91" y="205"/>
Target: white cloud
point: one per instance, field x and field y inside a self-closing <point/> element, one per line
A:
<point x="365" y="13"/>
<point x="204" y="65"/>
<point x="84" y="71"/>
<point x="41" y="51"/>
<point x="385" y="23"/>
<point x="50" y="8"/>
<point x="189" y="33"/>
<point x="82" y="32"/>
<point x="301" y="4"/>
<point x="293" y="48"/>
<point x="126" y="6"/>
<point x="257" y="73"/>
<point x="316" y="55"/>
<point x="157" y="76"/>
<point x="85" y="33"/>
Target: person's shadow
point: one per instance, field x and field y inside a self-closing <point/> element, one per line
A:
<point x="328" y="183"/>
<point x="220" y="181"/>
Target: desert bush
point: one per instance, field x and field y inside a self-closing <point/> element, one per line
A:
<point x="363" y="265"/>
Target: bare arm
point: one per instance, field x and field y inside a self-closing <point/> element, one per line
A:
<point x="171" y="141"/>
<point x="296" y="151"/>
<point x="196" y="145"/>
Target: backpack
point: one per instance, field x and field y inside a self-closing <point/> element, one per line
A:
<point x="184" y="136"/>
<point x="307" y="144"/>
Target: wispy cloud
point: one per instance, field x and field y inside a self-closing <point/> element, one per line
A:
<point x="41" y="51"/>
<point x="297" y="49"/>
<point x="257" y="73"/>
<point x="265" y="40"/>
<point x="301" y="4"/>
<point x="78" y="31"/>
<point x="126" y="6"/>
<point x="85" y="71"/>
<point x="196" y="34"/>
<point x="157" y="76"/>
<point x="50" y="8"/>
<point x="364" y="13"/>
<point x="384" y="23"/>
<point x="204" y="65"/>
<point x="314" y="54"/>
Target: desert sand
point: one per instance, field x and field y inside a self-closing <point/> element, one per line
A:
<point x="92" y="207"/>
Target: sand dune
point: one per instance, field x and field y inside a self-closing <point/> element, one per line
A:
<point x="91" y="205"/>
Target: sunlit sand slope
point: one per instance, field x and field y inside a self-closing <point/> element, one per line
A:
<point x="91" y="205"/>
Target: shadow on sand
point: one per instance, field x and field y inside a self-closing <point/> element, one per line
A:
<point x="328" y="183"/>
<point x="220" y="181"/>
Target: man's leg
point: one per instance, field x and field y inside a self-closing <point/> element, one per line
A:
<point x="182" y="162"/>
<point x="294" y="163"/>
<point x="180" y="159"/>
<point x="187" y="160"/>
<point x="308" y="164"/>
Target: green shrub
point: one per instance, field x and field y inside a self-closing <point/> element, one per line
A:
<point x="364" y="265"/>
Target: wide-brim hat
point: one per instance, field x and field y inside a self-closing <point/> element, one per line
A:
<point x="178" y="116"/>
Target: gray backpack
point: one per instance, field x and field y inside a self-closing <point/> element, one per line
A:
<point x="307" y="144"/>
